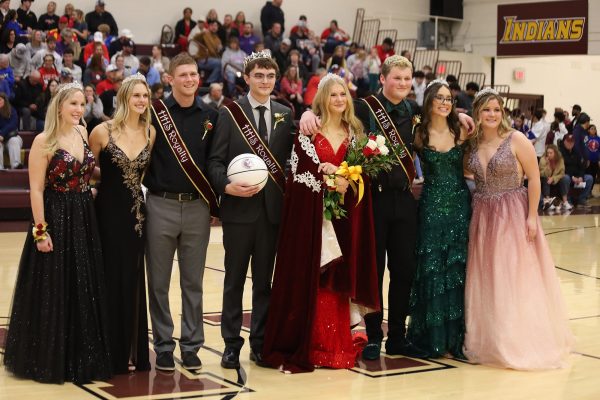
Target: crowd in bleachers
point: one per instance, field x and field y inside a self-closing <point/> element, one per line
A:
<point x="39" y="53"/>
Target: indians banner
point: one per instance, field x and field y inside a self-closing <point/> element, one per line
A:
<point x="546" y="28"/>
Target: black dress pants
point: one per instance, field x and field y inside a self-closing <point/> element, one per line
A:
<point x="395" y="218"/>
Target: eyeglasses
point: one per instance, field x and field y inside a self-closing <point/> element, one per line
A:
<point x="443" y="99"/>
<point x="260" y="77"/>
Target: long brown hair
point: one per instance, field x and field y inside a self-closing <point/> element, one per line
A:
<point x="422" y="139"/>
<point x="557" y="156"/>
<point x="6" y="109"/>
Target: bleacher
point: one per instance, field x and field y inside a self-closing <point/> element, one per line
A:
<point x="14" y="187"/>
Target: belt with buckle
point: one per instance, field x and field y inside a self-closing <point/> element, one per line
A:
<point x="177" y="196"/>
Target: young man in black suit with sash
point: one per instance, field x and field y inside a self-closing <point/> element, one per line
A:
<point x="250" y="216"/>
<point x="394" y="207"/>
<point x="179" y="206"/>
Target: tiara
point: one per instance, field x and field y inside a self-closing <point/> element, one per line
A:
<point x="329" y="77"/>
<point x="68" y="86"/>
<point x="135" y="77"/>
<point x="255" y="56"/>
<point x="484" y="91"/>
<point x="440" y="81"/>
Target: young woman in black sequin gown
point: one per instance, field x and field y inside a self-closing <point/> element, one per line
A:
<point x="57" y="329"/>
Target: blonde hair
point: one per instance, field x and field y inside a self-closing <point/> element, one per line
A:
<point x="321" y="102"/>
<point x="480" y="102"/>
<point x="122" y="108"/>
<point x="395" y="61"/>
<point x="52" y="123"/>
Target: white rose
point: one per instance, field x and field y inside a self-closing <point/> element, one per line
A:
<point x="372" y="144"/>
<point x="380" y="140"/>
<point x="383" y="150"/>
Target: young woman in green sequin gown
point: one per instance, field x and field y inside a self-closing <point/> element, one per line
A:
<point x="437" y="299"/>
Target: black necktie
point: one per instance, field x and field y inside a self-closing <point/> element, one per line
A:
<point x="262" y="124"/>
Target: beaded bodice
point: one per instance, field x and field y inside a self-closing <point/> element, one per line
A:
<point x="501" y="174"/>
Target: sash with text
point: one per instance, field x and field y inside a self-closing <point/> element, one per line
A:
<point x="393" y="136"/>
<point x="183" y="156"/>
<point x="256" y="144"/>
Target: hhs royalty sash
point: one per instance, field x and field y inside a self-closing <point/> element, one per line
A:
<point x="256" y="144"/>
<point x="183" y="156"/>
<point x="393" y="136"/>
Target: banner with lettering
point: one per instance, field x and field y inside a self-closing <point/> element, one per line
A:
<point x="545" y="28"/>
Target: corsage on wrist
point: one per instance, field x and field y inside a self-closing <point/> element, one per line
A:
<point x="40" y="232"/>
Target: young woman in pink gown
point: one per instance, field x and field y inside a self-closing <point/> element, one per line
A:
<point x="515" y="313"/>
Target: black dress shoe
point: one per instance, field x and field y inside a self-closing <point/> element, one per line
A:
<point x="372" y="351"/>
<point x="257" y="357"/>
<point x="231" y="358"/>
<point x="190" y="360"/>
<point x="164" y="361"/>
<point x="405" y="348"/>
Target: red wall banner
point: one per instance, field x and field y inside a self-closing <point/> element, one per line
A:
<point x="545" y="28"/>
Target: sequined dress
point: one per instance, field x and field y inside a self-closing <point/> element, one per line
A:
<point x="331" y="342"/>
<point x="57" y="328"/>
<point x="121" y="214"/>
<point x="514" y="312"/>
<point x="437" y="297"/>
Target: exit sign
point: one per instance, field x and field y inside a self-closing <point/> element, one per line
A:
<point x="519" y="74"/>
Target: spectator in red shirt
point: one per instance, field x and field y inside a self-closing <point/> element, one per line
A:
<point x="48" y="71"/>
<point x="112" y="72"/>
<point x="313" y="86"/>
<point x="88" y="50"/>
<point x="333" y="36"/>
<point x="291" y="88"/>
<point x="63" y="22"/>
<point x="385" y="49"/>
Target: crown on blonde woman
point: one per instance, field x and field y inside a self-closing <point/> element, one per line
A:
<point x="135" y="77"/>
<point x="329" y="77"/>
<point x="68" y="86"/>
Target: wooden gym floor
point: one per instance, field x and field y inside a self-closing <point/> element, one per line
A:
<point x="575" y="242"/>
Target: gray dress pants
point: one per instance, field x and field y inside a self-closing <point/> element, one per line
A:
<point x="183" y="226"/>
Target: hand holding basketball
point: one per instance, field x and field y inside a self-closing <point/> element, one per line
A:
<point x="241" y="190"/>
<point x="247" y="174"/>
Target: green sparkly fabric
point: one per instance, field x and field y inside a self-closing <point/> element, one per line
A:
<point x="437" y="299"/>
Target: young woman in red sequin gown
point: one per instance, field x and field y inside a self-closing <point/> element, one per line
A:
<point x="309" y="314"/>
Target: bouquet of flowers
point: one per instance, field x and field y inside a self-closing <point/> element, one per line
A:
<point x="369" y="155"/>
<point x="373" y="154"/>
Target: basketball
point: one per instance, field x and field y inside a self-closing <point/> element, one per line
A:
<point x="248" y="169"/>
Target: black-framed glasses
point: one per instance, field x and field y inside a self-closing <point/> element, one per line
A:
<point x="443" y="99"/>
<point x="259" y="77"/>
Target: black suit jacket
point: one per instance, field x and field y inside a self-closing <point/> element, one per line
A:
<point x="228" y="143"/>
